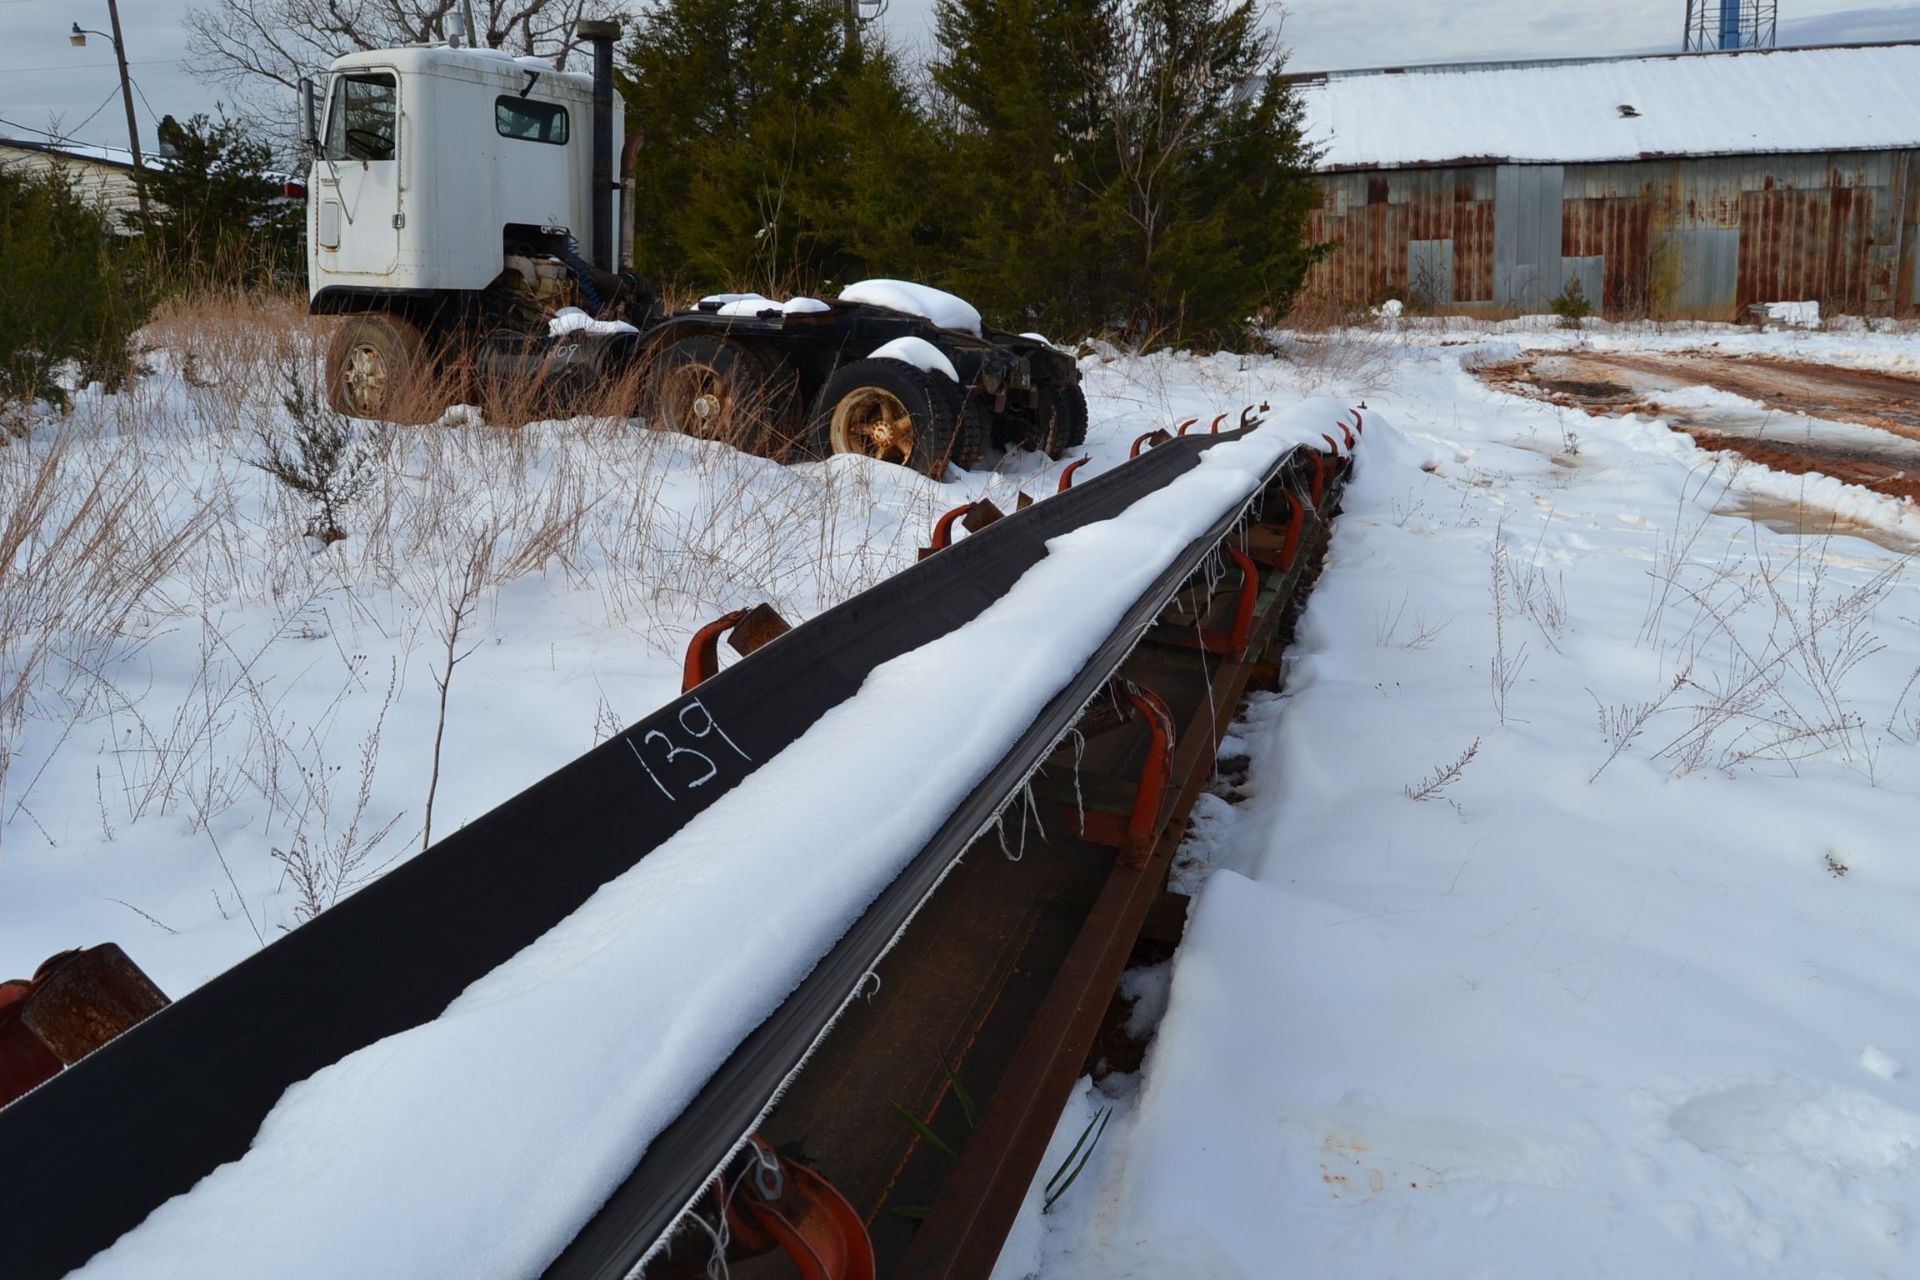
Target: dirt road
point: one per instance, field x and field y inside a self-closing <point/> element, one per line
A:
<point x="1857" y="425"/>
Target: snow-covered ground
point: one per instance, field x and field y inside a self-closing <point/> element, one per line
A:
<point x="1627" y="989"/>
<point x="224" y="729"/>
<point x="1564" y="923"/>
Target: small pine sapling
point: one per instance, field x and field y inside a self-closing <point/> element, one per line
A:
<point x="1573" y="305"/>
<point x="320" y="457"/>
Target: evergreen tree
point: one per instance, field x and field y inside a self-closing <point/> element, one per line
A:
<point x="1207" y="169"/>
<point x="216" y="209"/>
<point x="69" y="290"/>
<point x="1019" y="83"/>
<point x="756" y="117"/>
<point x="883" y="203"/>
<point x="1140" y="164"/>
<point x="1133" y="167"/>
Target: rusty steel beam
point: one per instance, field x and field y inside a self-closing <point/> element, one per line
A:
<point x="962" y="1235"/>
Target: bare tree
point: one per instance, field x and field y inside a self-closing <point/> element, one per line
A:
<point x="261" y="48"/>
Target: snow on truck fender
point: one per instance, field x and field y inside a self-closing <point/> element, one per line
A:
<point x="917" y="352"/>
<point x="933" y="305"/>
<point x="754" y="304"/>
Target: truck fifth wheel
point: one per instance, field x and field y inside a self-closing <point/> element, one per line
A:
<point x="461" y="220"/>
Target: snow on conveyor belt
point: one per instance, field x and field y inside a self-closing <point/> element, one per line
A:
<point x="478" y="1143"/>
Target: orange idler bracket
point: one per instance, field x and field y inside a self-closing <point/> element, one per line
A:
<point x="1296" y="524"/>
<point x="751" y="629"/>
<point x="1249" y="597"/>
<point x="703" y="651"/>
<point x="1158" y="436"/>
<point x="784" y="1205"/>
<point x="943" y="528"/>
<point x="1154" y="775"/>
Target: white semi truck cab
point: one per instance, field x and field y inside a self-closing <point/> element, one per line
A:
<point x="461" y="199"/>
<point x="435" y="164"/>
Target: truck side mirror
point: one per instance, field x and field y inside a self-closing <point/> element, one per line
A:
<point x="309" y="114"/>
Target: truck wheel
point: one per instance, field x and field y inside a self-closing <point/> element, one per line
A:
<point x="1073" y="403"/>
<point x="1059" y="421"/>
<point x="890" y="410"/>
<point x="1063" y="421"/>
<point x="376" y="368"/>
<point x="711" y="388"/>
<point x="972" y="416"/>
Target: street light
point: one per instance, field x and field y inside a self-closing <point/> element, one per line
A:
<point x="78" y="39"/>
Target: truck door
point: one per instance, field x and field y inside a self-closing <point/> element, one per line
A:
<point x="358" y="214"/>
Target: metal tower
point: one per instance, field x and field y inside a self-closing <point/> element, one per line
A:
<point x="1731" y="24"/>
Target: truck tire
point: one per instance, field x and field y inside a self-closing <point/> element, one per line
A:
<point x="785" y="410"/>
<point x="1060" y="421"/>
<point x="711" y="388"/>
<point x="377" y="368"/>
<point x="896" y="412"/>
<point x="973" y="416"/>
<point x="1073" y="403"/>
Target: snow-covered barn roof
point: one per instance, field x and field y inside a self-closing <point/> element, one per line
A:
<point x="1838" y="98"/>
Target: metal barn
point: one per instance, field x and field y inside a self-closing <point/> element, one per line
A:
<point x="1685" y="186"/>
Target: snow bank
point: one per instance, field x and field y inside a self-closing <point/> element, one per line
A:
<point x="917" y="352"/>
<point x="1580" y="1012"/>
<point x="475" y="1145"/>
<point x="920" y="300"/>
<point x="1794" y="315"/>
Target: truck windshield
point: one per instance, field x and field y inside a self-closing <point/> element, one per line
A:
<point x="362" y="118"/>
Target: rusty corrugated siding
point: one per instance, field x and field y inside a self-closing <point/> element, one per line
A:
<point x="1373" y="219"/>
<point x="1698" y="237"/>
<point x="1620" y="232"/>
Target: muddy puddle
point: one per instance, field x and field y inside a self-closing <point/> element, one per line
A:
<point x="1797" y="520"/>
<point x="1859" y="426"/>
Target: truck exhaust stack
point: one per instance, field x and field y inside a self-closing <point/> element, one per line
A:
<point x="601" y="35"/>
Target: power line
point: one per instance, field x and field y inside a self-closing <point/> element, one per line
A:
<point x="111" y="95"/>
<point x="15" y="124"/>
<point x="151" y="114"/>
<point x="85" y="66"/>
<point x="67" y="136"/>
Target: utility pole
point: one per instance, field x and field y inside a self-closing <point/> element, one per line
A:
<point x="855" y="14"/>
<point x="126" y="96"/>
<point x="78" y="38"/>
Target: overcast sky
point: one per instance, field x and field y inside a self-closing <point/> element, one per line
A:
<point x="46" y="83"/>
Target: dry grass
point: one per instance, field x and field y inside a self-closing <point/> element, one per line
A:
<point x="1763" y="651"/>
<point x="83" y="546"/>
<point x="1333" y="343"/>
